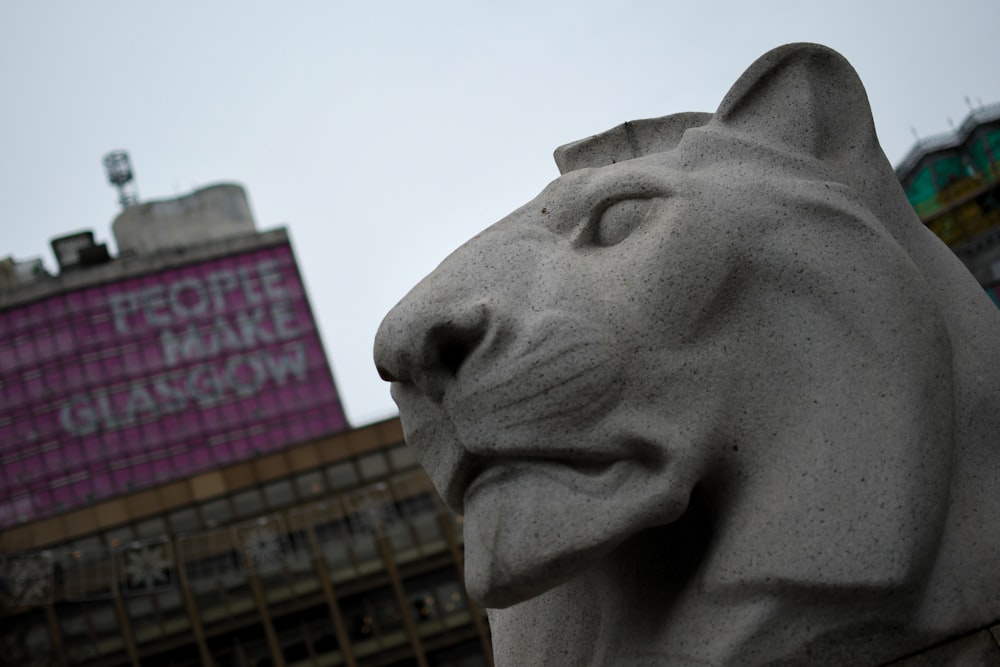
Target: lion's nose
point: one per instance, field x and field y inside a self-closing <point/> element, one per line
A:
<point x="427" y="344"/>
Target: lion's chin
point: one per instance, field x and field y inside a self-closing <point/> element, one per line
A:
<point x="534" y="526"/>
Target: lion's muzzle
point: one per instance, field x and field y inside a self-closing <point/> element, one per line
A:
<point x="425" y="342"/>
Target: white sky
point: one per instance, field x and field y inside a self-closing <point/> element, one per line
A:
<point x="383" y="134"/>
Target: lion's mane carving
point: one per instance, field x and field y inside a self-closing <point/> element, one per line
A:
<point x="715" y="396"/>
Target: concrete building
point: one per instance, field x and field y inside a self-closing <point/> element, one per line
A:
<point x="195" y="348"/>
<point x="216" y="212"/>
<point x="953" y="182"/>
<point x="178" y="483"/>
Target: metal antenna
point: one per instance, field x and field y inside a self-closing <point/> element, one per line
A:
<point x="119" y="170"/>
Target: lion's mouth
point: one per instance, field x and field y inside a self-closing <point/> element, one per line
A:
<point x="587" y="476"/>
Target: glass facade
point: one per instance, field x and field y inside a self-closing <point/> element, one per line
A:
<point x="954" y="188"/>
<point x="347" y="558"/>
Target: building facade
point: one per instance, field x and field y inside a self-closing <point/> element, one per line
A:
<point x="336" y="551"/>
<point x="953" y="182"/>
<point x="154" y="367"/>
<point x="178" y="482"/>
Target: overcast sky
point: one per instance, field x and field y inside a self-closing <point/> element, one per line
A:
<point x="383" y="134"/>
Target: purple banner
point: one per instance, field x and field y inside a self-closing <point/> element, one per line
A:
<point x="112" y="388"/>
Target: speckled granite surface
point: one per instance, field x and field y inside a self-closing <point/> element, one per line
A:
<point x="715" y="396"/>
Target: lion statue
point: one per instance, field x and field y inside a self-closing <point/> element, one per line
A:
<point x="716" y="396"/>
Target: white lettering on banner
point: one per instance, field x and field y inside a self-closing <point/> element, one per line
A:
<point x="171" y="399"/>
<point x="154" y="305"/>
<point x="191" y="297"/>
<point x="204" y="385"/>
<point x="190" y="307"/>
<point x="218" y="285"/>
<point x="246" y="330"/>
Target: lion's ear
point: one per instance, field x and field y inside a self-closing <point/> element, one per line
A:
<point x="805" y="98"/>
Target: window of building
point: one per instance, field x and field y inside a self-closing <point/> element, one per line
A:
<point x="173" y="614"/>
<point x="310" y="484"/>
<point x="184" y="520"/>
<point x="279" y="494"/>
<point x="76" y="632"/>
<point x="373" y="466"/>
<point x="144" y="617"/>
<point x="87" y="572"/>
<point x="216" y="512"/>
<point x="209" y="557"/>
<point x="437" y="600"/>
<point x="154" y="527"/>
<point x="103" y="618"/>
<point x="332" y="539"/>
<point x="248" y="503"/>
<point x="341" y="476"/>
<point x="119" y="536"/>
<point x="374" y="621"/>
<point x="402" y="458"/>
<point x="423" y="515"/>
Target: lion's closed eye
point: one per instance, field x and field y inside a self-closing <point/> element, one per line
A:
<point x="615" y="223"/>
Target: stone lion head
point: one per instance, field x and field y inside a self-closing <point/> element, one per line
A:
<point x="715" y="392"/>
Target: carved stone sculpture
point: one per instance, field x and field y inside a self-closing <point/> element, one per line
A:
<point x="716" y="396"/>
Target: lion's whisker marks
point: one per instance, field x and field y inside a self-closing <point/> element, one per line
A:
<point x="560" y="385"/>
<point x="527" y="372"/>
<point x="537" y="361"/>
